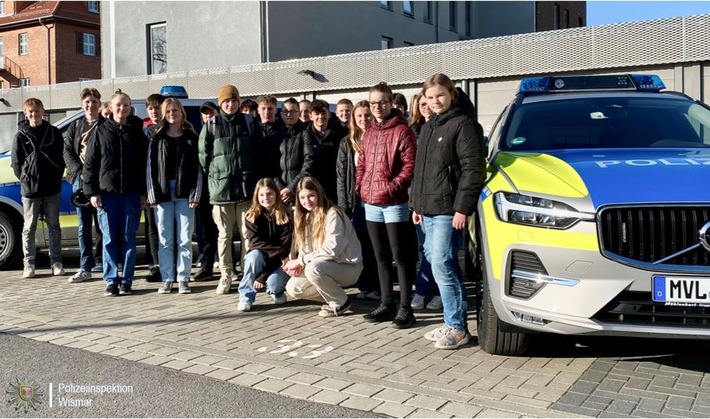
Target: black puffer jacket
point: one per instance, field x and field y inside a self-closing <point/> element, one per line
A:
<point x="37" y="159"/>
<point x="348" y="200"/>
<point x="116" y="158"/>
<point x="297" y="156"/>
<point x="273" y="135"/>
<point x="188" y="173"/>
<point x="327" y="145"/>
<point x="72" y="147"/>
<point x="450" y="168"/>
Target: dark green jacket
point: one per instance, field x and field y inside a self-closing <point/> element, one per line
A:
<point x="230" y="156"/>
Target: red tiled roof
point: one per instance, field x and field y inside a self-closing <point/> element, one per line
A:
<point x="74" y="10"/>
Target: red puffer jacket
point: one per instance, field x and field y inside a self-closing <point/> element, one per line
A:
<point x="386" y="163"/>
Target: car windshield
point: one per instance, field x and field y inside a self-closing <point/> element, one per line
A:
<point x="608" y="121"/>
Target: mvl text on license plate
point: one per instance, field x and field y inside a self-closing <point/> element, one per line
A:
<point x="679" y="289"/>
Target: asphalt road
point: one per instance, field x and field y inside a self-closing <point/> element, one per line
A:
<point x="156" y="391"/>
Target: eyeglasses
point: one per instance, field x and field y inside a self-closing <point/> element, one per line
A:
<point x="379" y="104"/>
<point x="287" y="112"/>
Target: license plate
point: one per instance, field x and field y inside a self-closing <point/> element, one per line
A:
<point x="681" y="289"/>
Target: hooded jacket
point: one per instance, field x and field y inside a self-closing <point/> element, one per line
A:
<point x="37" y="159"/>
<point x="116" y="158"/>
<point x="272" y="239"/>
<point x="188" y="173"/>
<point x="386" y="162"/>
<point x="229" y="154"/>
<point x="450" y="167"/>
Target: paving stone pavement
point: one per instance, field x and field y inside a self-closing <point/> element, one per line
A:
<point x="345" y="361"/>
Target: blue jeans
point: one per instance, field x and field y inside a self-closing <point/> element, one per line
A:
<point x="254" y="263"/>
<point x="387" y="214"/>
<point x="441" y="248"/>
<point x="171" y="217"/>
<point x="86" y="219"/>
<point x="119" y="217"/>
<point x="425" y="284"/>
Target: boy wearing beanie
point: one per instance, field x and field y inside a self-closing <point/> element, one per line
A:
<point x="229" y="155"/>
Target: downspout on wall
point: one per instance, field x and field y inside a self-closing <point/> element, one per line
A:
<point x="49" y="51"/>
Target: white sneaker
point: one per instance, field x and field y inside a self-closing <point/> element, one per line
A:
<point x="244" y="306"/>
<point x="225" y="284"/>
<point x="57" y="269"/>
<point x="435" y="304"/>
<point x="80" y="276"/>
<point x="417" y="302"/>
<point x="215" y="265"/>
<point x="437" y="333"/>
<point x="29" y="271"/>
<point x="279" y="299"/>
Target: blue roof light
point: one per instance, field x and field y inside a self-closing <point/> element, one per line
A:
<point x="607" y="82"/>
<point x="174" y="91"/>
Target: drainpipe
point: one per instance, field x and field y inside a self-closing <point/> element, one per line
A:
<point x="49" y="61"/>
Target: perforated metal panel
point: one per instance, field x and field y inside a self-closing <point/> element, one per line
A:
<point x="606" y="48"/>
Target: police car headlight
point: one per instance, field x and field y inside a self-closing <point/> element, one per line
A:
<point x="538" y="212"/>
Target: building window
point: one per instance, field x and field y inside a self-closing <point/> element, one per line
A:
<point x="88" y="44"/>
<point x="452" y="16"/>
<point x="93" y="6"/>
<point x="467" y="18"/>
<point x="386" y="42"/>
<point x="556" y="16"/>
<point x="2" y="48"/>
<point x="24" y="39"/>
<point x="386" y="5"/>
<point x="2" y="7"/>
<point x="157" y="48"/>
<point x="408" y="44"/>
<point x="565" y="18"/>
<point x="24" y="82"/>
<point x="427" y="12"/>
<point x="408" y="8"/>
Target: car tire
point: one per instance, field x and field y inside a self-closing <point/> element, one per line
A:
<point x="10" y="241"/>
<point x="490" y="336"/>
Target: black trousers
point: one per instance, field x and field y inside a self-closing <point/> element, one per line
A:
<point x="151" y="249"/>
<point x="395" y="241"/>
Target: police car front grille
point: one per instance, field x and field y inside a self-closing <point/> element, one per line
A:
<point x="651" y="234"/>
<point x="637" y="308"/>
<point x="530" y="263"/>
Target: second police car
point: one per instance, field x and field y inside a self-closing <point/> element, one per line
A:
<point x="595" y="219"/>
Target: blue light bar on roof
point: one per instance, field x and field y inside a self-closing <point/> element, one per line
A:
<point x="174" y="91"/>
<point x="551" y="84"/>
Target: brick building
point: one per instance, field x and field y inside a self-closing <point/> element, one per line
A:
<point x="47" y="42"/>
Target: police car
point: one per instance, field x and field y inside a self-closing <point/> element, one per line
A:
<point x="595" y="218"/>
<point x="11" y="219"/>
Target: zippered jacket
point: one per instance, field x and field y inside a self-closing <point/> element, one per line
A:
<point x="37" y="159"/>
<point x="188" y="173"/>
<point x="72" y="147"/>
<point x="297" y="156"/>
<point x="229" y="154"/>
<point x="272" y="239"/>
<point x="386" y="161"/>
<point x="347" y="198"/>
<point x="116" y="158"/>
<point x="450" y="167"/>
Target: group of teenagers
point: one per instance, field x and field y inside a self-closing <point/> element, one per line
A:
<point x="317" y="207"/>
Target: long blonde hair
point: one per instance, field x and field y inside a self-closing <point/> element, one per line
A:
<point x="314" y="218"/>
<point x="281" y="212"/>
<point x="415" y="114"/>
<point x="355" y="135"/>
<point x="163" y="124"/>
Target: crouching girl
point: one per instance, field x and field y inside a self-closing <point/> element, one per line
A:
<point x="268" y="227"/>
<point x="329" y="256"/>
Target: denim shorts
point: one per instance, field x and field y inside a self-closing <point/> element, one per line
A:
<point x="387" y="213"/>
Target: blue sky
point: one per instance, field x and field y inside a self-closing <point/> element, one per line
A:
<point x="606" y="12"/>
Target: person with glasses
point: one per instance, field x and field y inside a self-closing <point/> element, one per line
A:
<point x="384" y="172"/>
<point x="296" y="151"/>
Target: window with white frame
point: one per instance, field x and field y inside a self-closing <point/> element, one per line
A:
<point x="2" y="7"/>
<point x="157" y="48"/>
<point x="24" y="40"/>
<point x="89" y="44"/>
<point x="93" y="6"/>
<point x="24" y="82"/>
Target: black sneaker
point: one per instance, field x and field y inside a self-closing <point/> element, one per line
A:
<point x="125" y="289"/>
<point x="404" y="318"/>
<point x="204" y="274"/>
<point x="381" y="314"/>
<point x="154" y="275"/>
<point x="111" y="290"/>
